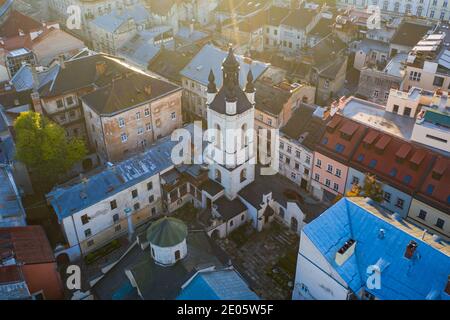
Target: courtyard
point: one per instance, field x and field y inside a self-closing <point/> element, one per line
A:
<point x="267" y="259"/>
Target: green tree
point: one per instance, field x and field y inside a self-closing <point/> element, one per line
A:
<point x="372" y="188"/>
<point x="44" y="147"/>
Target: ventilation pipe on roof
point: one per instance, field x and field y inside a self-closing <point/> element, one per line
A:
<point x="410" y="249"/>
<point x="345" y="252"/>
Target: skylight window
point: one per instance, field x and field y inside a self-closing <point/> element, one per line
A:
<point x="360" y="158"/>
<point x="393" y="172"/>
<point x="407" y="179"/>
<point x="430" y="189"/>
<point x="340" y="148"/>
<point x="373" y="163"/>
<point x="325" y="140"/>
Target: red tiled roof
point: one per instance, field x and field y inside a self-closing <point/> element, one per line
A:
<point x="393" y="160"/>
<point x="29" y="244"/>
<point x="10" y="274"/>
<point x="435" y="187"/>
<point x="18" y="42"/>
<point x="336" y="145"/>
<point x="18" y="21"/>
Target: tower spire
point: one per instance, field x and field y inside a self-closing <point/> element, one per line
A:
<point x="211" y="82"/>
<point x="249" y="87"/>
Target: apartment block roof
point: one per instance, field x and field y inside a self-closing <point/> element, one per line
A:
<point x="127" y="92"/>
<point x="398" y="162"/>
<point x="409" y="33"/>
<point x="73" y="197"/>
<point x="117" y="17"/>
<point x="211" y="58"/>
<point x="376" y="116"/>
<point x="270" y="98"/>
<point x="341" y="138"/>
<point x="305" y="127"/>
<point x="16" y="22"/>
<point x="382" y="240"/>
<point x="82" y="73"/>
<point x="299" y="18"/>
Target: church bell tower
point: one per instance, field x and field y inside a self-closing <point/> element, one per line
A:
<point x="231" y="113"/>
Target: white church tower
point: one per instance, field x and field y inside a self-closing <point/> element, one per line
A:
<point x="231" y="113"/>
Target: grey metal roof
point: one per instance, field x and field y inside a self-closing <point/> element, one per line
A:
<point x="211" y="57"/>
<point x="12" y="213"/>
<point x="113" y="20"/>
<point x="69" y="199"/>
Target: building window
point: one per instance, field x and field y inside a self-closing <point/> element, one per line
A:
<point x="422" y="214"/>
<point x="297" y="166"/>
<point x="138" y="115"/>
<point x="90" y="243"/>
<point x="281" y="145"/>
<point x="113" y="204"/>
<point x="414" y="76"/>
<point x="387" y="197"/>
<point x="327" y="182"/>
<point x="319" y="163"/>
<point x="149" y="185"/>
<point x="440" y="223"/>
<point x="124" y="137"/>
<point x="289" y="149"/>
<point x="151" y="199"/>
<point x="121" y="122"/>
<point x="59" y="104"/>
<point x="146" y="112"/>
<point x="407" y="112"/>
<point x="87" y="233"/>
<point x="308" y="160"/>
<point x="438" y="81"/>
<point x="297" y="153"/>
<point x="400" y="203"/>
<point x="69" y="100"/>
<point x="338" y="173"/>
<point x="140" y="131"/>
<point x="134" y="194"/>
<point x="115" y="217"/>
<point x="84" y="219"/>
<point x="136" y="206"/>
<point x="330" y="168"/>
<point x="317" y="177"/>
<point x="336" y="187"/>
<point x="231" y="223"/>
<point x="173" y="116"/>
<point x="117" y="228"/>
<point x="293" y="176"/>
<point x="148" y="126"/>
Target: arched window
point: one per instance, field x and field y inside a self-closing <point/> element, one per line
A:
<point x="396" y="7"/>
<point x="177" y="255"/>
<point x="218" y="135"/>
<point x="218" y="176"/>
<point x="244" y="138"/>
<point x="243" y="175"/>
<point x="408" y="9"/>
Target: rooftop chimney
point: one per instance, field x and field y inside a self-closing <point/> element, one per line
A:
<point x="410" y="249"/>
<point x="100" y="68"/>
<point x="148" y="89"/>
<point x="345" y="252"/>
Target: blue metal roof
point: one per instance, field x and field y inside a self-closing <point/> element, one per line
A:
<point x="67" y="200"/>
<point x="12" y="213"/>
<point x="217" y="285"/>
<point x="211" y="57"/>
<point x="425" y="275"/>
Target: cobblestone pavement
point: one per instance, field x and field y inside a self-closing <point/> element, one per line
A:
<point x="257" y="257"/>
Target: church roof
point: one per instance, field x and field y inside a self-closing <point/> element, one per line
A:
<point x="219" y="102"/>
<point x="167" y="232"/>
